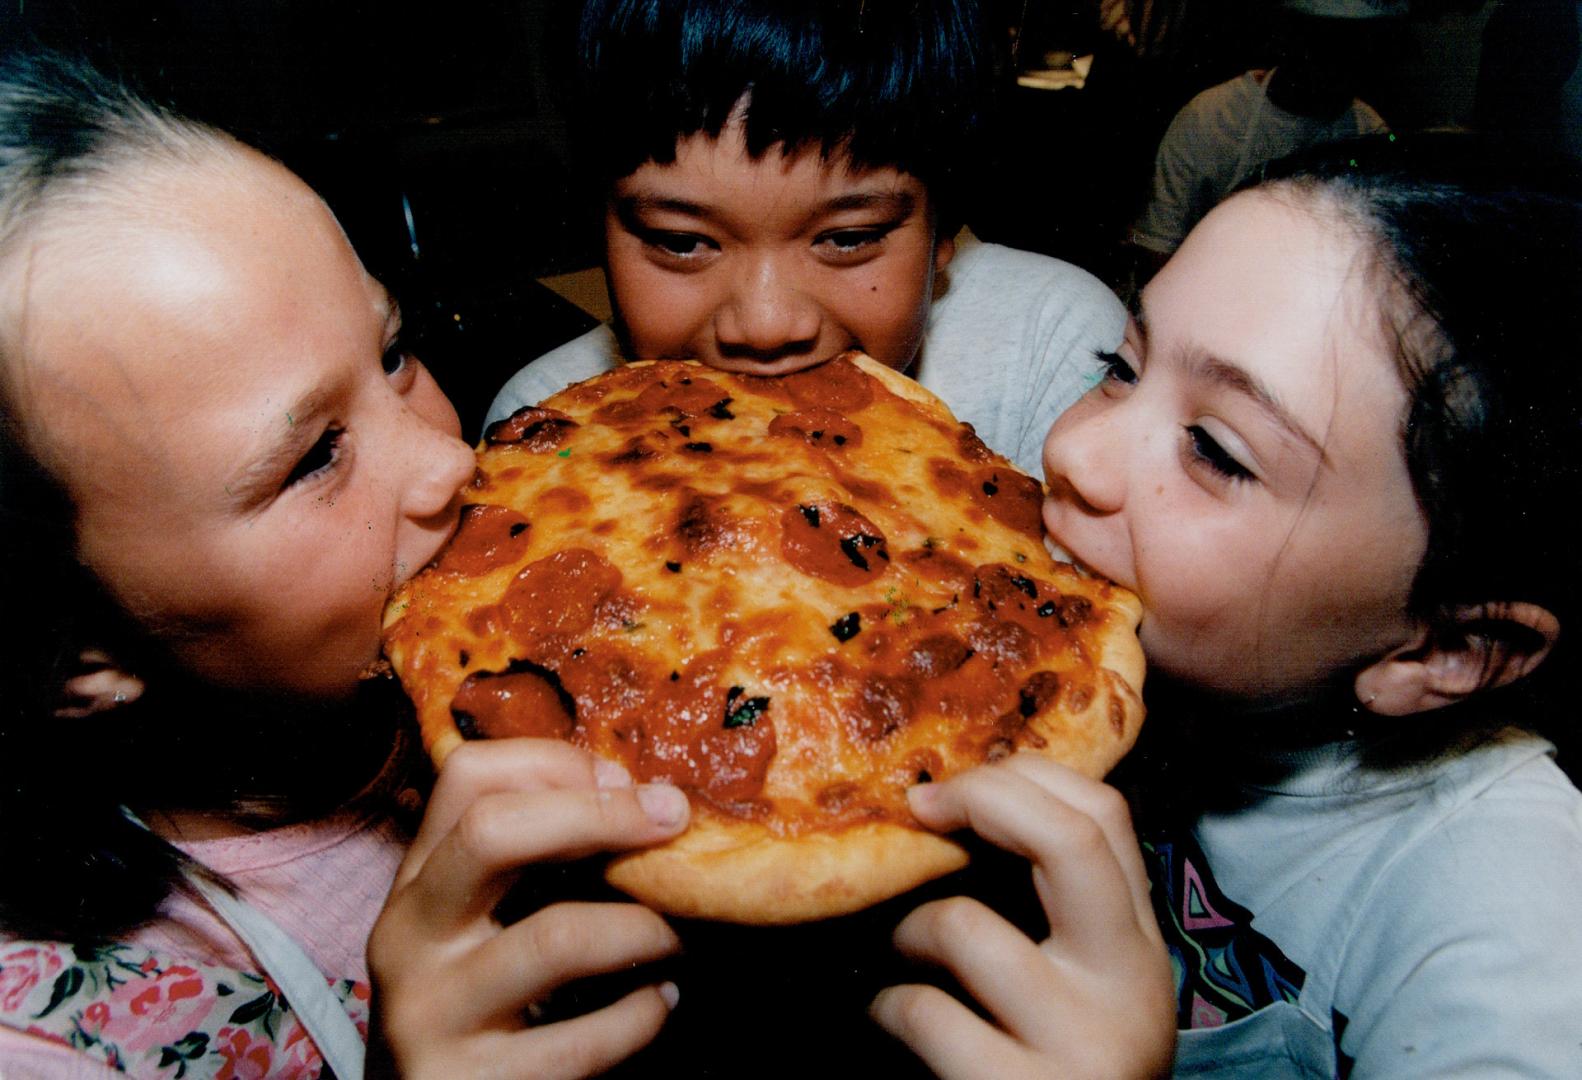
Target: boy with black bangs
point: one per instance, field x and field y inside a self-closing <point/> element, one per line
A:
<point x="783" y="182"/>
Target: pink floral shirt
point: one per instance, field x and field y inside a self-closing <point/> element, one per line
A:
<point x="149" y="1016"/>
<point x="182" y="997"/>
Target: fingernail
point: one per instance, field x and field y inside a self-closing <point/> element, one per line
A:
<point x="921" y="796"/>
<point x="671" y="993"/>
<point x="610" y="774"/>
<point x="665" y="805"/>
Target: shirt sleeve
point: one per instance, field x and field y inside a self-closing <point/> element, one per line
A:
<point x="580" y="358"/>
<point x="1468" y="959"/>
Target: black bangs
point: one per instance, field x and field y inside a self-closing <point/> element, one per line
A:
<point x="886" y="83"/>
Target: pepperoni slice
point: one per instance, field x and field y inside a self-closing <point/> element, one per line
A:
<point x="525" y="699"/>
<point x="818" y="427"/>
<point x="834" y="542"/>
<point x="489" y="537"/>
<point x="539" y="431"/>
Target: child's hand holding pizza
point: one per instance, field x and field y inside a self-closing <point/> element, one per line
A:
<point x="453" y="986"/>
<point x="1094" y="998"/>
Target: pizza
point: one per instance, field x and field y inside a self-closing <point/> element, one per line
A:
<point x="793" y="597"/>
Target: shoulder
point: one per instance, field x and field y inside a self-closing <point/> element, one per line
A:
<point x="1210" y="108"/>
<point x="580" y="358"/>
<point x="994" y="275"/>
<point x="1473" y="926"/>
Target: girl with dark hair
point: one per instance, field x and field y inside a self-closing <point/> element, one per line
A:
<point x="1336" y="456"/>
<point x="217" y="459"/>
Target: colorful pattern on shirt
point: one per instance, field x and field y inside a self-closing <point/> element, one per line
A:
<point x="154" y="1016"/>
<point x="1224" y="969"/>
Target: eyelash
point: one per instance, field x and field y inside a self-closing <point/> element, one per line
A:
<point x="1117" y="369"/>
<point x="1203" y="448"/>
<point x="324" y="455"/>
<point x="682" y="246"/>
<point x="855" y="240"/>
<point x="398" y="350"/>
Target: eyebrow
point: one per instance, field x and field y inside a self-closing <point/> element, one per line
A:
<point x="898" y="203"/>
<point x="277" y="453"/>
<point x="260" y="477"/>
<point x="1237" y="379"/>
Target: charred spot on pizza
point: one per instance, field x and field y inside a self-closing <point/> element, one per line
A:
<point x="847" y="626"/>
<point x="1035" y="695"/>
<point x="721" y="409"/>
<point x="525" y="699"/>
<point x="743" y="711"/>
<point x="818" y="427"/>
<point x="536" y="430"/>
<point x="636" y="451"/>
<point x="834" y="542"/>
<point x="488" y="538"/>
<point x="970" y="446"/>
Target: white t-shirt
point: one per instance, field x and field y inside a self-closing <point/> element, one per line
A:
<point x="1218" y="140"/>
<point x="1012" y="340"/>
<point x="1418" y="924"/>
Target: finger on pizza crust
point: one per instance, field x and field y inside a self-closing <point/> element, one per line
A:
<point x="501" y="765"/>
<point x="949" y="1038"/>
<point x="558" y="944"/>
<point x="470" y="868"/>
<point x="1084" y="870"/>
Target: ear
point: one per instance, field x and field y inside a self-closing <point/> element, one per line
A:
<point x="97" y="685"/>
<point x="944" y="251"/>
<point x="1489" y="645"/>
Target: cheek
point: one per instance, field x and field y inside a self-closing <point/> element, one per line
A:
<point x="887" y="312"/>
<point x="661" y="312"/>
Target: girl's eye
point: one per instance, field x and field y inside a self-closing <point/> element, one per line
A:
<point x="1116" y="369"/>
<point x="320" y="457"/>
<point x="1204" y="448"/>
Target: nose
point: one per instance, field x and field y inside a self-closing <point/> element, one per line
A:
<point x="1085" y="455"/>
<point x="766" y="316"/>
<point x="440" y="464"/>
